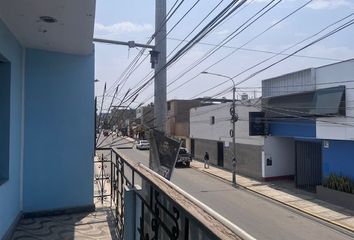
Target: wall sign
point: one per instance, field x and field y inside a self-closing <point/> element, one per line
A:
<point x="325" y="143"/>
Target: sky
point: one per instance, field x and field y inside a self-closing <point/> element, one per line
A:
<point x="134" y="20"/>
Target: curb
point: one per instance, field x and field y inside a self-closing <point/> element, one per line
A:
<point x="283" y="203"/>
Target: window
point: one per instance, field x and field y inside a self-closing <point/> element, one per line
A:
<point x="330" y="101"/>
<point x="5" y="79"/>
<point x="168" y="106"/>
<point x="212" y="120"/>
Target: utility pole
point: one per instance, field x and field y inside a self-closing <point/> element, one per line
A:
<point x="234" y="119"/>
<point x="160" y="101"/>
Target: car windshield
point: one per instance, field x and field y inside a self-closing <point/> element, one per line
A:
<point x="182" y="151"/>
<point x="144" y="141"/>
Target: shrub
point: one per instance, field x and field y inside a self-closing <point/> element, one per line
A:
<point x="339" y="183"/>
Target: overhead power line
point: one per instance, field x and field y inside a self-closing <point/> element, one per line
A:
<point x="262" y="51"/>
<point x="231" y="36"/>
<point x="289" y="55"/>
<point x="132" y="66"/>
<point x="250" y="21"/>
<point x="248" y="42"/>
<point x="211" y="25"/>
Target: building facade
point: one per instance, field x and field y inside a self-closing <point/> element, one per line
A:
<point x="177" y="123"/>
<point x="309" y="117"/>
<point x="210" y="132"/>
<point x="144" y="121"/>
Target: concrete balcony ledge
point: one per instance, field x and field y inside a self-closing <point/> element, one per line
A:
<point x="207" y="218"/>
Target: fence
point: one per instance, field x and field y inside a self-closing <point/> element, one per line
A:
<point x="147" y="206"/>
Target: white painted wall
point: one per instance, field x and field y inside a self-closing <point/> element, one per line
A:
<point x="201" y="128"/>
<point x="282" y="153"/>
<point x="330" y="76"/>
<point x="295" y="82"/>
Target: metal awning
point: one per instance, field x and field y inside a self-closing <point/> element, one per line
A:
<point x="319" y="103"/>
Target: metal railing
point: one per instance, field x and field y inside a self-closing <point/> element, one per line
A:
<point x="147" y="206"/>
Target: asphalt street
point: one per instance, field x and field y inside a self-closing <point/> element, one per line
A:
<point x="262" y="218"/>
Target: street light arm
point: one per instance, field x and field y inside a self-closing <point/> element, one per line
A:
<point x="221" y="75"/>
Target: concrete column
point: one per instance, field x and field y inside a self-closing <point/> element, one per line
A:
<point x="160" y="105"/>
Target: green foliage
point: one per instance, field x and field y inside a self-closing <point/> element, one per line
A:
<point x="339" y="183"/>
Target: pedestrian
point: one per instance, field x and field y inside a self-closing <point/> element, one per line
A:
<point x="233" y="163"/>
<point x="206" y="160"/>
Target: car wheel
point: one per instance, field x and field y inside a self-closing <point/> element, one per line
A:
<point x="188" y="164"/>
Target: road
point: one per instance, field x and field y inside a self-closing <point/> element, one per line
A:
<point x="262" y="218"/>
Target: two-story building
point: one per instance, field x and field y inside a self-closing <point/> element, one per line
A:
<point x="310" y="129"/>
<point x="144" y="120"/>
<point x="177" y="123"/>
<point x="210" y="132"/>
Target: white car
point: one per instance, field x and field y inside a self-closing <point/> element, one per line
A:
<point x="143" y="145"/>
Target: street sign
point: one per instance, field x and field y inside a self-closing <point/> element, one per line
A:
<point x="164" y="153"/>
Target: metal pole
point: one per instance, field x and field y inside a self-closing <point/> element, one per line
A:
<point x="233" y="136"/>
<point x="130" y="44"/>
<point x="160" y="105"/>
<point x="234" y="120"/>
<point x="95" y="127"/>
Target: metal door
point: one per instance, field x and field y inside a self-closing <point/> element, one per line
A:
<point x="308" y="168"/>
<point x="192" y="146"/>
<point x="220" y="154"/>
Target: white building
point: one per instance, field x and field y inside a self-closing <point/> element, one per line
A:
<point x="310" y="116"/>
<point x="210" y="131"/>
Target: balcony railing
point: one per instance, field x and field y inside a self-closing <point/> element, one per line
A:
<point x="147" y="206"/>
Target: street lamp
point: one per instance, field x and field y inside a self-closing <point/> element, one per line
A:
<point x="234" y="119"/>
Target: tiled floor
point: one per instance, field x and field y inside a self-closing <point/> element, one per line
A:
<point x="81" y="226"/>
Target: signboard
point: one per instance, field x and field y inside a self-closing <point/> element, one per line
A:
<point x="163" y="153"/>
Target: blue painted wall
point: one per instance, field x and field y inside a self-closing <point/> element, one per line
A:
<point x="292" y="128"/>
<point x="59" y="136"/>
<point x="10" y="204"/>
<point x="339" y="158"/>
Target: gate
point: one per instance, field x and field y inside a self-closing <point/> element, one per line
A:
<point x="220" y="154"/>
<point x="308" y="168"/>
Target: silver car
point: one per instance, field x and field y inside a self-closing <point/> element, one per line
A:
<point x="143" y="145"/>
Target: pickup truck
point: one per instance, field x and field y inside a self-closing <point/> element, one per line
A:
<point x="184" y="157"/>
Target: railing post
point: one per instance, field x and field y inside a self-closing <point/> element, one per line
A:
<point x="131" y="213"/>
<point x="112" y="179"/>
<point x="102" y="181"/>
<point x="116" y="186"/>
<point x="122" y="187"/>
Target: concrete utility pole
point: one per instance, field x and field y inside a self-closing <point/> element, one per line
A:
<point x="160" y="101"/>
<point x="234" y="119"/>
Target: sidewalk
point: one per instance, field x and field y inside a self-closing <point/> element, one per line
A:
<point x="303" y="202"/>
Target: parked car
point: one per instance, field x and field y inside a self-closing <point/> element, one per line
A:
<point x="184" y="157"/>
<point x="143" y="145"/>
